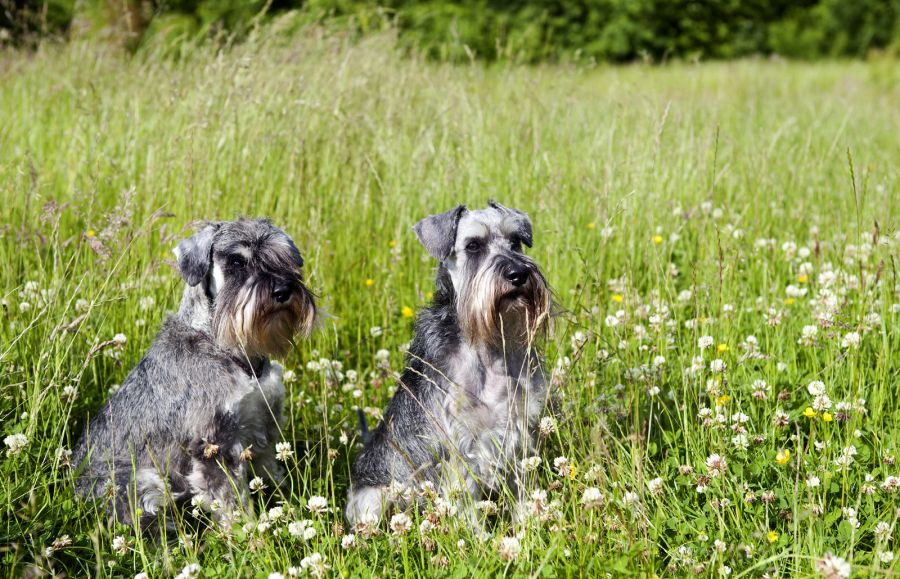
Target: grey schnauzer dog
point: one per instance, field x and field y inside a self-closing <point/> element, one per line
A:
<point x="200" y="411"/>
<point x="463" y="415"/>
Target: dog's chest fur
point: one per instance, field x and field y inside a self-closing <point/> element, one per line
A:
<point x="489" y="412"/>
<point x="257" y="404"/>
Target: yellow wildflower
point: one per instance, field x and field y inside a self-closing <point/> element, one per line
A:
<point x="790" y="301"/>
<point x="723" y="400"/>
<point x="618" y="298"/>
<point x="591" y="225"/>
<point x="772" y="536"/>
<point x="722" y="348"/>
<point x="783" y="456"/>
<point x="91" y="233"/>
<point x="407" y="312"/>
<point x="809" y="412"/>
<point x="657" y="239"/>
<point x="827" y="417"/>
<point x="803" y="278"/>
<point x="370" y="282"/>
<point x="392" y="243"/>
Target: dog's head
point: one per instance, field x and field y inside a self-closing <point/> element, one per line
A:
<point x="248" y="273"/>
<point x="501" y="294"/>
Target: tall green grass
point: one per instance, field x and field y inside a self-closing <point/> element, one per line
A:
<point x="644" y="184"/>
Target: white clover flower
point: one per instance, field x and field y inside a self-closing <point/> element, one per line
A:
<point x="793" y="291"/>
<point x="489" y="508"/>
<point x="444" y="509"/>
<point x="382" y="355"/>
<point x="812" y="481"/>
<point x="69" y="393"/>
<point x="718" y="366"/>
<point x="716" y="465"/>
<point x="302" y="529"/>
<point x="400" y="524"/>
<point x="808" y="335"/>
<point x="425" y="527"/>
<point x="81" y="305"/>
<point x="850" y="341"/>
<point x="630" y="499"/>
<point x="578" y="339"/>
<point x="562" y="465"/>
<point x="189" y="571"/>
<point x="275" y="575"/>
<point x="891" y="484"/>
<point x="592" y="498"/>
<point x="720" y="546"/>
<point x="846" y="457"/>
<point x="816" y="388"/>
<point x="705" y="342"/>
<point x="315" y="565"/>
<point x="288" y="376"/>
<point x="547" y="425"/>
<point x="656" y="486"/>
<point x="653" y="391"/>
<point x="821" y="403"/>
<point x="317" y="505"/>
<point x="376" y="331"/>
<point x="883" y="531"/>
<point x="283" y="451"/>
<point x="256" y="484"/>
<point x="120" y="544"/>
<point x="739" y="418"/>
<point x="15" y="443"/>
<point x="348" y="541"/>
<point x="146" y="302"/>
<point x="886" y="557"/>
<point x="509" y="548"/>
<point x="833" y="567"/>
<point x="850" y="514"/>
<point x="119" y="339"/>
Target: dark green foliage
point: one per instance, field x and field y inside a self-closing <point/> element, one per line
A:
<point x="521" y="30"/>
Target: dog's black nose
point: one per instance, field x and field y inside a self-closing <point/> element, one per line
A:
<point x="517" y="275"/>
<point x="282" y="293"/>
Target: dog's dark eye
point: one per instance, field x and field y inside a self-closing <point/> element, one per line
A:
<point x="473" y="246"/>
<point x="516" y="245"/>
<point x="236" y="262"/>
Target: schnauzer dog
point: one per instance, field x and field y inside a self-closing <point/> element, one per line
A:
<point x="462" y="418"/>
<point x="201" y="409"/>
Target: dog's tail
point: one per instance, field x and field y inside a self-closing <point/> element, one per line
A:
<point x="363" y="427"/>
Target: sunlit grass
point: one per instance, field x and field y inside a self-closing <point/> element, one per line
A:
<point x="669" y="205"/>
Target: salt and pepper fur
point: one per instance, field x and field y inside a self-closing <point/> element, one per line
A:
<point x="200" y="412"/>
<point x="467" y="403"/>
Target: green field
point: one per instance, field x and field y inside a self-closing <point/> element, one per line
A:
<point x="737" y="201"/>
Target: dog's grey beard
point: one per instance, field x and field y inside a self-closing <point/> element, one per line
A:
<point x="487" y="317"/>
<point x="255" y="325"/>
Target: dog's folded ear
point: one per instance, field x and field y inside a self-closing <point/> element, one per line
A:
<point x="438" y="232"/>
<point x="194" y="254"/>
<point x="523" y="222"/>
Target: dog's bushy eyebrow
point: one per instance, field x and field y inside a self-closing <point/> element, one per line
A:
<point x="237" y="247"/>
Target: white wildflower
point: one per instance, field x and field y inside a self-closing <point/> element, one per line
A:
<point x="509" y="548"/>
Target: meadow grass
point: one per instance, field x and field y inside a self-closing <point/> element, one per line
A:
<point x="751" y="206"/>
